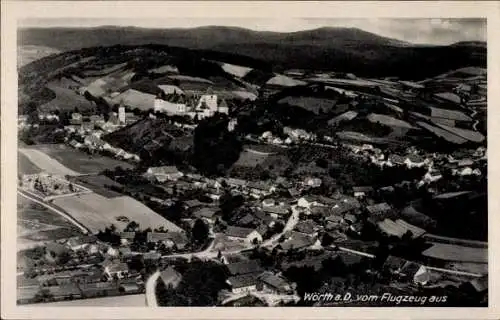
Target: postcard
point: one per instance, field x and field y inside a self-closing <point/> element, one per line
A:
<point x="285" y="159"/>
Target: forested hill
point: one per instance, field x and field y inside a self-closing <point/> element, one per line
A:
<point x="336" y="49"/>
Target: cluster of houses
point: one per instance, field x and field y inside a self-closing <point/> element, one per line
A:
<point x="434" y="163"/>
<point x="92" y="269"/>
<point x="92" y="142"/>
<point x="248" y="276"/>
<point x="292" y="136"/>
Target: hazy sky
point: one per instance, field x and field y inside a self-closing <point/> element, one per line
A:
<point x="429" y="31"/>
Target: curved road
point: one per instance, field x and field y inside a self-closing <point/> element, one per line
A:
<point x="290" y="224"/>
<point x="151" y="290"/>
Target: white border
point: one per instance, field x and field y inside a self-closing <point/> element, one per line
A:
<point x="11" y="11"/>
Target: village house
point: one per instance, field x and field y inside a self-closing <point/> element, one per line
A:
<point x="268" y="202"/>
<point x="48" y="117"/>
<point x="112" y="252"/>
<point x="246" y="235"/>
<point x="242" y="283"/>
<point x="277" y="211"/>
<point x="415" y="161"/>
<point x="75" y="144"/>
<point x="345" y="205"/>
<point x="465" y="163"/>
<point x="308" y="227"/>
<point x="275" y="284"/>
<point x="206" y="213"/>
<point x="76" y="118"/>
<point x="236" y="183"/>
<point x="80" y="243"/>
<point x="295" y="240"/>
<point x="99" y="289"/>
<point x="379" y="209"/>
<point x="127" y="237"/>
<point x="115" y="270"/>
<point x="64" y="292"/>
<point x="243" y="276"/>
<point x="405" y="269"/>
<point x="260" y="188"/>
<point x="432" y="175"/>
<point x="27" y="294"/>
<point x="193" y="204"/>
<point x="350" y="218"/>
<point x="312" y="182"/>
<point x="169" y="239"/>
<point x="361" y="192"/>
<point x="151" y="257"/>
<point x="308" y="201"/>
<point x="395" y="160"/>
<point x="333" y="221"/>
<point x="163" y="174"/>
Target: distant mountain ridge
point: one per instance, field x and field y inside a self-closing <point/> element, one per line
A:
<point x="333" y="49"/>
<point x="195" y="38"/>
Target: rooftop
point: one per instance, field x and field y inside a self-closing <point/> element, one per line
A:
<point x="242" y="281"/>
<point x="244" y="267"/>
<point x="238" y="232"/>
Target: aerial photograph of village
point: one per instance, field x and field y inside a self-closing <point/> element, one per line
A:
<point x="318" y="162"/>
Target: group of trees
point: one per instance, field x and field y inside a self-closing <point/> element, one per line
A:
<point x="215" y="148"/>
<point x="200" y="285"/>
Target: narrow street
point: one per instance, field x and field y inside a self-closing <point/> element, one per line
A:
<point x="290" y="224"/>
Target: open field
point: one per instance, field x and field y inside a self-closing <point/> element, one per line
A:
<point x="266" y="149"/>
<point x="30" y="53"/>
<point x="36" y="225"/>
<point x="453" y="252"/>
<point x="235" y="70"/>
<point x="470" y="135"/>
<point x="25" y="166"/>
<point x="250" y="159"/>
<point x="66" y="99"/>
<point x="47" y="163"/>
<point x="99" y="184"/>
<point x="79" y="161"/>
<point x="449" y="114"/>
<point x="97" y="212"/>
<point x="346" y="116"/>
<point x="31" y="211"/>
<point x="104" y="71"/>
<point x="481" y="268"/>
<point x="316" y="105"/>
<point x="448" y="136"/>
<point x="133" y="300"/>
<point x="388" y="120"/>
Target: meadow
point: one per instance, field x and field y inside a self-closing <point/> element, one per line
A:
<point x="79" y="161"/>
<point x="97" y="212"/>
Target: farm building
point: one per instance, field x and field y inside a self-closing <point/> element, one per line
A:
<point x="115" y="269"/>
<point x="243" y="234"/>
<point x="165" y="173"/>
<point x="242" y="283"/>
